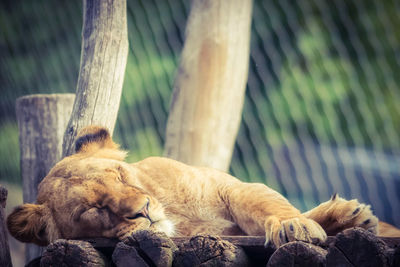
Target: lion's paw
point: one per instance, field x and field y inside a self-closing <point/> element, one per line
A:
<point x="124" y="232"/>
<point x="343" y="214"/>
<point x="279" y="232"/>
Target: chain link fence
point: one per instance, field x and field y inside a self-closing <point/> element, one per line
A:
<point x="321" y="113"/>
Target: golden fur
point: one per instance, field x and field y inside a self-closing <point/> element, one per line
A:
<point x="94" y="193"/>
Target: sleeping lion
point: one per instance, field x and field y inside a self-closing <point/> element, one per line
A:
<point x="94" y="193"/>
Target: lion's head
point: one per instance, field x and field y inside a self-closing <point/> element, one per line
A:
<point x="92" y="193"/>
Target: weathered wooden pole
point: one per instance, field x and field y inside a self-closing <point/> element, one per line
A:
<point x="209" y="88"/>
<point x="42" y="120"/>
<point x="5" y="258"/>
<point x="103" y="61"/>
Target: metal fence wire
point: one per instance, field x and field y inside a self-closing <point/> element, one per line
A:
<point x="321" y="113"/>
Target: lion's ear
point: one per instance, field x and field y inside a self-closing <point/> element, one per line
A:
<point x="93" y="138"/>
<point x="28" y="223"/>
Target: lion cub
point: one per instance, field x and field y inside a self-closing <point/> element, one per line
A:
<point x="94" y="193"/>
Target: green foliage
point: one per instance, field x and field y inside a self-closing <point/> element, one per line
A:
<point x="9" y="156"/>
<point x="332" y="73"/>
<point x="309" y="95"/>
<point x="144" y="143"/>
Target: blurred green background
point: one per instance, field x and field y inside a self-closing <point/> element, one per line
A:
<point x="321" y="113"/>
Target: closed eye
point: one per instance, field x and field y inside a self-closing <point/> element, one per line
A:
<point x="136" y="216"/>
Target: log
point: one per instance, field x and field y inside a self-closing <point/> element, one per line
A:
<point x="145" y="248"/>
<point x="103" y="60"/>
<point x="142" y="250"/>
<point x="5" y="258"/>
<point x="125" y="256"/>
<point x="42" y="120"/>
<point x="394" y="259"/>
<point x="72" y="253"/>
<point x="34" y="263"/>
<point x="299" y="254"/>
<point x="254" y="248"/>
<point x="206" y="250"/>
<point x="255" y="243"/>
<point x="357" y="247"/>
<point x="209" y="87"/>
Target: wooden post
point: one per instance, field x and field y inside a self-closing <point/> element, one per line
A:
<point x="209" y="87"/>
<point x="103" y="61"/>
<point x="42" y="120"/>
<point x="5" y="258"/>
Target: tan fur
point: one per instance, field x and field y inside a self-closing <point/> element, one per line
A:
<point x="388" y="230"/>
<point x="94" y="193"/>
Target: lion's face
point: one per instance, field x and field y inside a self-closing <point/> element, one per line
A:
<point x="90" y="194"/>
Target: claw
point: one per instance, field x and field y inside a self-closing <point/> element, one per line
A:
<point x="305" y="229"/>
<point x="282" y="236"/>
<point x="356" y="210"/>
<point x="367" y="221"/>
<point x="268" y="244"/>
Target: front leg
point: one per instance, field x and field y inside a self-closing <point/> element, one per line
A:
<point x="259" y="210"/>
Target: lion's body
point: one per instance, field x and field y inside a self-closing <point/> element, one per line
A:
<point x="95" y="193"/>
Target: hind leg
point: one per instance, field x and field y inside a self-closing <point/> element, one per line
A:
<point x="338" y="214"/>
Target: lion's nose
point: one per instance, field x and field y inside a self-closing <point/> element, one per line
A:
<point x="143" y="212"/>
<point x="145" y="209"/>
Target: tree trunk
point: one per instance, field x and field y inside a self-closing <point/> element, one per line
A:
<point x="103" y="61"/>
<point x="42" y="120"/>
<point x="209" y="88"/>
<point x="5" y="258"/>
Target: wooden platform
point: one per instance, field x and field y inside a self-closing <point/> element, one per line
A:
<point x="352" y="247"/>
